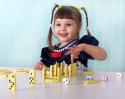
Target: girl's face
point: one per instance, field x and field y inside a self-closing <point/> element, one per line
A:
<point x="66" y="30"/>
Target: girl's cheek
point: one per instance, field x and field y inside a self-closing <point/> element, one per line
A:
<point x="56" y="30"/>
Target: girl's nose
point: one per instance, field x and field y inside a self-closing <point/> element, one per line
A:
<point x="63" y="27"/>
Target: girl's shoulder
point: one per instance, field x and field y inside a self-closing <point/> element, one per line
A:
<point x="89" y="39"/>
<point x="45" y="49"/>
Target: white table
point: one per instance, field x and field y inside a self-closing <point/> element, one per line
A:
<point x="113" y="89"/>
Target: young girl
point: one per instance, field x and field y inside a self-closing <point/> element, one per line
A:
<point x="65" y="26"/>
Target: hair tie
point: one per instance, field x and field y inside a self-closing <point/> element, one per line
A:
<point x="60" y="6"/>
<point x="78" y="7"/>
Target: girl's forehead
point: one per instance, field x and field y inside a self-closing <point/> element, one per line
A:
<point x="64" y="20"/>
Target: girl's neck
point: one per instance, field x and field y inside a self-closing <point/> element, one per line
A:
<point x="65" y="43"/>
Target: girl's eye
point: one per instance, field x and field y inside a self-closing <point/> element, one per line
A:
<point x="68" y="24"/>
<point x="57" y="24"/>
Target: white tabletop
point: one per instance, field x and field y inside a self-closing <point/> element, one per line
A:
<point x="113" y="89"/>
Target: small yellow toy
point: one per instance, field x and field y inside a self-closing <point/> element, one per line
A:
<point x="86" y="82"/>
<point x="4" y="73"/>
<point x="22" y="71"/>
<point x="86" y="73"/>
<point x="12" y="82"/>
<point x="32" y="77"/>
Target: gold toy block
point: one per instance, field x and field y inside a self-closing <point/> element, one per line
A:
<point x="12" y="78"/>
<point x="12" y="86"/>
<point x="51" y="71"/>
<point x="74" y="67"/>
<point x="86" y="82"/>
<point x="12" y="82"/>
<point x="70" y="70"/>
<point x="4" y="73"/>
<point x="88" y="73"/>
<point x="47" y="71"/>
<point x="43" y="74"/>
<point x="55" y="69"/>
<point x="32" y="77"/>
<point x="58" y="74"/>
<point x="22" y="71"/>
<point x="66" y="71"/>
<point x="61" y="68"/>
<point x="50" y="80"/>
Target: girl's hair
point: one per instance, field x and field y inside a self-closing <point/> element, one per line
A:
<point x="68" y="12"/>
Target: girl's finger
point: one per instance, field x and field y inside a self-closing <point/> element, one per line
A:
<point x="36" y="68"/>
<point x="72" y="60"/>
<point x="40" y="67"/>
<point x="68" y="52"/>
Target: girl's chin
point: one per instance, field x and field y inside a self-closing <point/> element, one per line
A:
<point x="63" y="39"/>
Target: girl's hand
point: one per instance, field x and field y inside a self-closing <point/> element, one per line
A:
<point x="39" y="66"/>
<point x="74" y="51"/>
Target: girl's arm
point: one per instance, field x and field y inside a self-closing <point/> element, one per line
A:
<point x="94" y="51"/>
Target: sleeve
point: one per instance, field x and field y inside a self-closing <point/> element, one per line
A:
<point x="88" y="39"/>
<point x="45" y="56"/>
